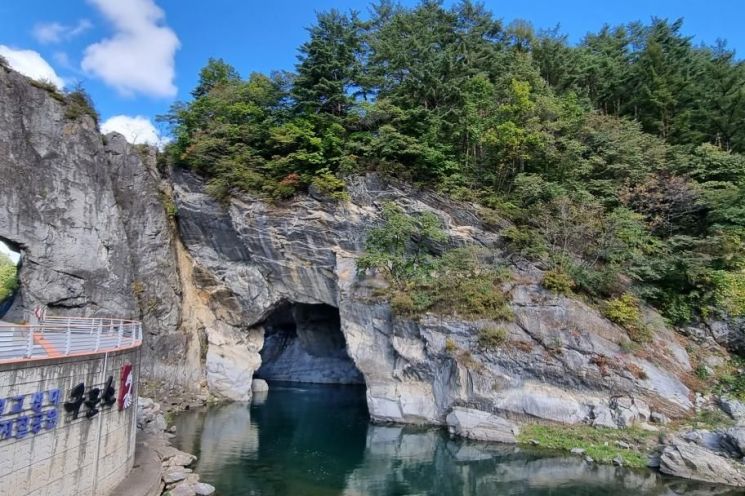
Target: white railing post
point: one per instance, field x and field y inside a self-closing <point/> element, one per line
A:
<point x="119" y="335"/>
<point x="98" y="334"/>
<point x="30" y="343"/>
<point x="68" y="338"/>
<point x="134" y="332"/>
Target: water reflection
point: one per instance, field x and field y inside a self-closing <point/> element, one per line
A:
<point x="316" y="440"/>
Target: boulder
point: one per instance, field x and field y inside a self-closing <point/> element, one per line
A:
<point x="259" y="386"/>
<point x="629" y="411"/>
<point x="482" y="426"/>
<point x="180" y="458"/>
<point x="732" y="407"/>
<point x="158" y="424"/>
<point x="659" y="418"/>
<point x="734" y="440"/>
<point x="544" y="402"/>
<point x="603" y="417"/>
<point x="174" y="474"/>
<point x="729" y="333"/>
<point x="692" y="461"/>
<point x="203" y="489"/>
<point x="182" y="489"/>
<point x="704" y="438"/>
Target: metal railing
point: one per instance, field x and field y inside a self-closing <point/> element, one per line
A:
<point x="66" y="336"/>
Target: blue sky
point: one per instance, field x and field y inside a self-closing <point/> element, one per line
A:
<point x="137" y="56"/>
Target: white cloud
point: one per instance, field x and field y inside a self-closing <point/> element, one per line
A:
<point x="54" y="32"/>
<point x="139" y="57"/>
<point x="62" y="59"/>
<point x="31" y="64"/>
<point x="137" y="129"/>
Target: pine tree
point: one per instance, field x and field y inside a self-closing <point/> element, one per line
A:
<point x="215" y="73"/>
<point x="328" y="67"/>
<point x="604" y="61"/>
<point x="661" y="79"/>
<point x="721" y="109"/>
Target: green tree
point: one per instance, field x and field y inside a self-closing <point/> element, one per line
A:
<point x="618" y="159"/>
<point x="720" y="109"/>
<point x="329" y="65"/>
<point x="660" y="80"/>
<point x="403" y="246"/>
<point x="604" y="65"/>
<point x="215" y="73"/>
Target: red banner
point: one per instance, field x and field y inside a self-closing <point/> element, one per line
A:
<point x="126" y="386"/>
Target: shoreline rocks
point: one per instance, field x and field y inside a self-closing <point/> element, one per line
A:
<point x="177" y="478"/>
<point x="481" y="426"/>
<point x="709" y="456"/>
<point x="259" y="386"/>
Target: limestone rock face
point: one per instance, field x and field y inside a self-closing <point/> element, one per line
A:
<point x="728" y="332"/>
<point x="58" y="206"/>
<point x="692" y="461"/>
<point x="563" y="361"/>
<point x="149" y="237"/>
<point x="482" y="426"/>
<point x="85" y="212"/>
<point x="732" y="407"/>
<point x="259" y="386"/>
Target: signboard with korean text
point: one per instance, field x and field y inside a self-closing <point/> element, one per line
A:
<point x="30" y="414"/>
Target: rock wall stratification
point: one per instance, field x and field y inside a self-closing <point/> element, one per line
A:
<point x="88" y="213"/>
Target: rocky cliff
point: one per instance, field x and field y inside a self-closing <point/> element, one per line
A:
<point x="85" y="212"/>
<point x="562" y="362"/>
<point x="91" y="216"/>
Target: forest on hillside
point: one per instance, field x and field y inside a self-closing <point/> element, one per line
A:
<point x="618" y="160"/>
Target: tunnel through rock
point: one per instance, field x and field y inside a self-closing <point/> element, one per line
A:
<point x="304" y="343"/>
<point x="10" y="259"/>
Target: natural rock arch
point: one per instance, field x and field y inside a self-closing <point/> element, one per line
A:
<point x="304" y="343"/>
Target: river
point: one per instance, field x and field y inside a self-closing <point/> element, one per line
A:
<point x="317" y="441"/>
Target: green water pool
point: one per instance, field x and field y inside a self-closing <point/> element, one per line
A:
<point x="318" y="441"/>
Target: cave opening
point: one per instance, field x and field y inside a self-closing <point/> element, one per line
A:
<point x="303" y="343"/>
<point x="10" y="262"/>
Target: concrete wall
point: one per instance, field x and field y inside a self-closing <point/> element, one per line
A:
<point x="83" y="456"/>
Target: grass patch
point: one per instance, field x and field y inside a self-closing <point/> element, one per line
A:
<point x="598" y="443"/>
<point x="730" y="378"/>
<point x="558" y="281"/>
<point x="465" y="358"/>
<point x="471" y="296"/>
<point x="168" y="205"/>
<point x="410" y="251"/>
<point x="458" y="283"/>
<point x="48" y="86"/>
<point x="710" y="419"/>
<point x="491" y="338"/>
<point x="79" y="103"/>
<point x="625" y="312"/>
